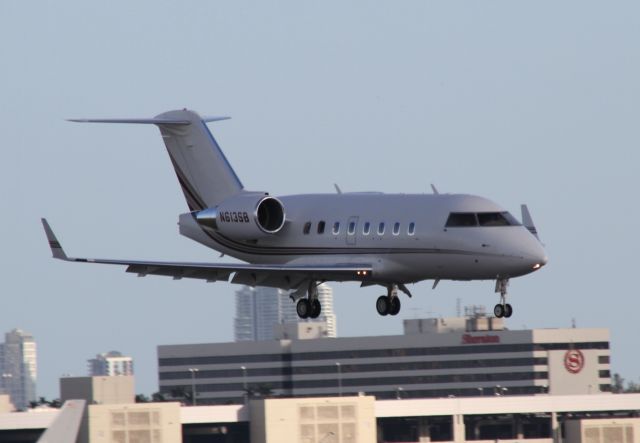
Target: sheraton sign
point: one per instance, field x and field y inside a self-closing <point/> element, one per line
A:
<point x="468" y="339"/>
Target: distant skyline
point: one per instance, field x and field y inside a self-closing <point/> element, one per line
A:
<point x="533" y="103"/>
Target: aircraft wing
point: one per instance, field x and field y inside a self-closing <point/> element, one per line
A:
<point x="280" y="276"/>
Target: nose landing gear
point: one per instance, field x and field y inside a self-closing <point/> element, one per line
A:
<point x="502" y="309"/>
<point x="309" y="307"/>
<point x="389" y="304"/>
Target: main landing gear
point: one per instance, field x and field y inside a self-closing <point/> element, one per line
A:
<point x="389" y="304"/>
<point x="309" y="307"/>
<point x="502" y="309"/>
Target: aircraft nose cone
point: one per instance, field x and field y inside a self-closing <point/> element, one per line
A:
<point x="538" y="257"/>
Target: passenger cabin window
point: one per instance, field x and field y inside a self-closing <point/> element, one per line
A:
<point x="352" y="228"/>
<point x="366" y="228"/>
<point x="307" y="228"/>
<point x="396" y="228"/>
<point x="336" y="228"/>
<point x="412" y="228"/>
<point x="321" y="227"/>
<point x="461" y="219"/>
<point x="381" y="228"/>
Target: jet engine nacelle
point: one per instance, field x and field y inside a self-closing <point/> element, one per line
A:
<point x="246" y="217"/>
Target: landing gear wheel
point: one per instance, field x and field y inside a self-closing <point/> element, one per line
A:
<point x="508" y="310"/>
<point x="394" y="307"/>
<point x="499" y="310"/>
<point x="316" y="309"/>
<point x="383" y="305"/>
<point x="303" y="308"/>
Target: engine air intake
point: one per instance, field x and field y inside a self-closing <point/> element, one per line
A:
<point x="270" y="215"/>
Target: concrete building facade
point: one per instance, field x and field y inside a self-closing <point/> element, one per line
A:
<point x="596" y="418"/>
<point x="18" y="368"/>
<point x="140" y="423"/>
<point x="475" y="358"/>
<point x="97" y="391"/>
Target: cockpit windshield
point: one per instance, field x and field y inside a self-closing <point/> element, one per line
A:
<point x="486" y="219"/>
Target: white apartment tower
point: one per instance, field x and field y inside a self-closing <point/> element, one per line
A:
<point x="260" y="309"/>
<point x="18" y="368"/>
<point x="110" y="364"/>
<point x="325" y="295"/>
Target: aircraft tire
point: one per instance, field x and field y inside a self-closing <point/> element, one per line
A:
<point x="316" y="309"/>
<point x="303" y="308"/>
<point x="383" y="305"/>
<point x="498" y="310"/>
<point x="508" y="310"/>
<point x="394" y="306"/>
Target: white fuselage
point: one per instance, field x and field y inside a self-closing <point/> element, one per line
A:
<point x="415" y="242"/>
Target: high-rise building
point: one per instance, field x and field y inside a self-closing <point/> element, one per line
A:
<point x="260" y="309"/>
<point x="325" y="295"/>
<point x="18" y="367"/>
<point x="257" y="312"/>
<point x="110" y="364"/>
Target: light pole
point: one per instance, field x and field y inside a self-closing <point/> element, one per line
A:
<point x="338" y="367"/>
<point x="193" y="385"/>
<point x="244" y="383"/>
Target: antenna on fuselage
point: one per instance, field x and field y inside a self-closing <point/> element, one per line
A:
<point x="433" y="188"/>
<point x="338" y="190"/>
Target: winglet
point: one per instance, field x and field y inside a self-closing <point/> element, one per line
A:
<point x="527" y="221"/>
<point x="54" y="244"/>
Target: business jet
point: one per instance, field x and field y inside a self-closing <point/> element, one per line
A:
<point x="297" y="242"/>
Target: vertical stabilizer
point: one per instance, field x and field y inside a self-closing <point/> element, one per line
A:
<point x="65" y="427"/>
<point x="204" y="173"/>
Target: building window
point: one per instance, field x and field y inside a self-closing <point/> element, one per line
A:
<point x="336" y="228"/>
<point x="412" y="228"/>
<point x="366" y="228"/>
<point x="396" y="228"/>
<point x="381" y="228"/>
<point x="321" y="227"/>
<point x="307" y="228"/>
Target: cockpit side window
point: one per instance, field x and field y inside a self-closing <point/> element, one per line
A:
<point x="461" y="219"/>
<point x="497" y="219"/>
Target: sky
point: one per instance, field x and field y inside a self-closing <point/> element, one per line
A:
<point x="520" y="102"/>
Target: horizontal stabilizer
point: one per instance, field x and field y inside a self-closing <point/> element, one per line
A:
<point x="144" y="121"/>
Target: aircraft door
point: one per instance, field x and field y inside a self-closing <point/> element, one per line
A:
<point x="352" y="230"/>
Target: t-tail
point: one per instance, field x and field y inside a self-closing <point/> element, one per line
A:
<point x="204" y="173"/>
